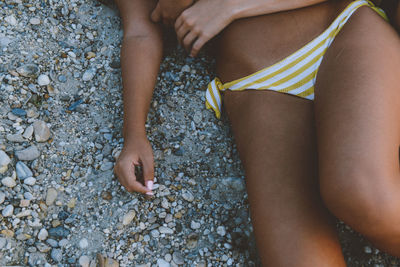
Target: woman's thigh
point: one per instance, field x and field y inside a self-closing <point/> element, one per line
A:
<point x="357" y="108"/>
<point x="275" y="134"/>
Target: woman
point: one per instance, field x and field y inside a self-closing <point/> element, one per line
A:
<point x="304" y="158"/>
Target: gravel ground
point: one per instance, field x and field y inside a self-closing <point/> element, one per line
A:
<point x="60" y="132"/>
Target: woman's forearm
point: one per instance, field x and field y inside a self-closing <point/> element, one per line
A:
<point x="250" y="8"/>
<point x="140" y="62"/>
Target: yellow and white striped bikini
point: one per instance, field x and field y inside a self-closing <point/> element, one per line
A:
<point x="296" y="74"/>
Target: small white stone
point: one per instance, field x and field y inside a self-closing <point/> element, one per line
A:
<point x="162" y="263"/>
<point x="195" y="225"/>
<point x="8" y="211"/>
<point x="127" y="219"/>
<point x="367" y="250"/>
<point x="9" y="182"/>
<point x="2" y="197"/>
<point x="24" y="213"/>
<point x="221" y="230"/>
<point x="4" y="158"/>
<point x="83" y="243"/>
<point x="84" y="261"/>
<point x="41" y="130"/>
<point x="51" y="196"/>
<point x="188" y="196"/>
<point x="11" y="20"/>
<point x="34" y="21"/>
<point x="88" y="75"/>
<point x="30" y="181"/>
<point x="3" y="242"/>
<point x="165" y="230"/>
<point x="28" y="132"/>
<point x="43" y="80"/>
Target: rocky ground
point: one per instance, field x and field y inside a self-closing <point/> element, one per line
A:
<point x="60" y="132"/>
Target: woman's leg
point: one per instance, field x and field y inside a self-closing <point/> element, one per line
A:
<point x="357" y="107"/>
<point x="276" y="140"/>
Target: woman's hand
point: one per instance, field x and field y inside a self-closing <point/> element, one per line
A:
<point x="136" y="153"/>
<point x="201" y="22"/>
<point x="168" y="10"/>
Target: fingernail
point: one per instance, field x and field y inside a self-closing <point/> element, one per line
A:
<point x="149" y="184"/>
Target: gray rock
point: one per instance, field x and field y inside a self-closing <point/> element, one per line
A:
<point x="9" y="182"/>
<point x="83" y="243"/>
<point x="28" y="132"/>
<point x="36" y="259"/>
<point x="221" y="230"/>
<point x="43" y="234"/>
<point x="88" y="75"/>
<point x="106" y="166"/>
<point x="56" y="254"/>
<point x="5" y="41"/>
<point x="15" y="138"/>
<point x="2" y="197"/>
<point x="11" y="20"/>
<point x="53" y="243"/>
<point x="59" y="232"/>
<point x="29" y="153"/>
<point x="84" y="261"/>
<point x="127" y="219"/>
<point x="165" y="230"/>
<point x="51" y="196"/>
<point x="43" y="80"/>
<point x="4" y="158"/>
<point x="195" y="225"/>
<point x="23" y="171"/>
<point x="155" y="233"/>
<point x="178" y="258"/>
<point x="8" y="211"/>
<point x="188" y="196"/>
<point x="30" y="181"/>
<point x="34" y="21"/>
<point x="163" y="263"/>
<point x="3" y="242"/>
<point x="28" y="70"/>
<point x="41" y="130"/>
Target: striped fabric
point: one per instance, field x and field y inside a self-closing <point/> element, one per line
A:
<point x="296" y="74"/>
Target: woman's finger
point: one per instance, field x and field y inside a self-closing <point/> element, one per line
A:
<point x="156" y="14"/>
<point x="181" y="33"/>
<point x="198" y="44"/>
<point x="126" y="175"/>
<point x="178" y="23"/>
<point x="188" y="40"/>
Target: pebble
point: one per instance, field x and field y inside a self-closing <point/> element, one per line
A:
<point x="56" y="254"/>
<point x="367" y="250"/>
<point x="59" y="232"/>
<point x="195" y="225"/>
<point x="178" y="258"/>
<point x="24" y="203"/>
<point x="28" y="132"/>
<point x="83" y="243"/>
<point x="127" y="219"/>
<point x="8" y="211"/>
<point x="22" y="170"/>
<point x="29" y="70"/>
<point x="155" y="233"/>
<point x="5" y="41"/>
<point x="11" y="20"/>
<point x="16" y="138"/>
<point x="62" y="78"/>
<point x="43" y="80"/>
<point x="41" y="130"/>
<point x="30" y="181"/>
<point x="106" y="166"/>
<point x="29" y="153"/>
<point x="51" y="196"/>
<point x="43" y="234"/>
<point x="34" y="21"/>
<point x="165" y="230"/>
<point x="18" y="112"/>
<point x="221" y="230"/>
<point x="3" y="242"/>
<point x="84" y="261"/>
<point x="88" y="75"/>
<point x="9" y="182"/>
<point x="188" y="196"/>
<point x="163" y="263"/>
<point x="4" y="158"/>
<point x="2" y="197"/>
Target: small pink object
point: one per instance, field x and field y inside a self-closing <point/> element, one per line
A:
<point x="149" y="184"/>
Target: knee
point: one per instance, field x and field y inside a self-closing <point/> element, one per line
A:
<point x="363" y="200"/>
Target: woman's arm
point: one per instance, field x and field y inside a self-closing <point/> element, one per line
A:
<point x="206" y="18"/>
<point x="141" y="54"/>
